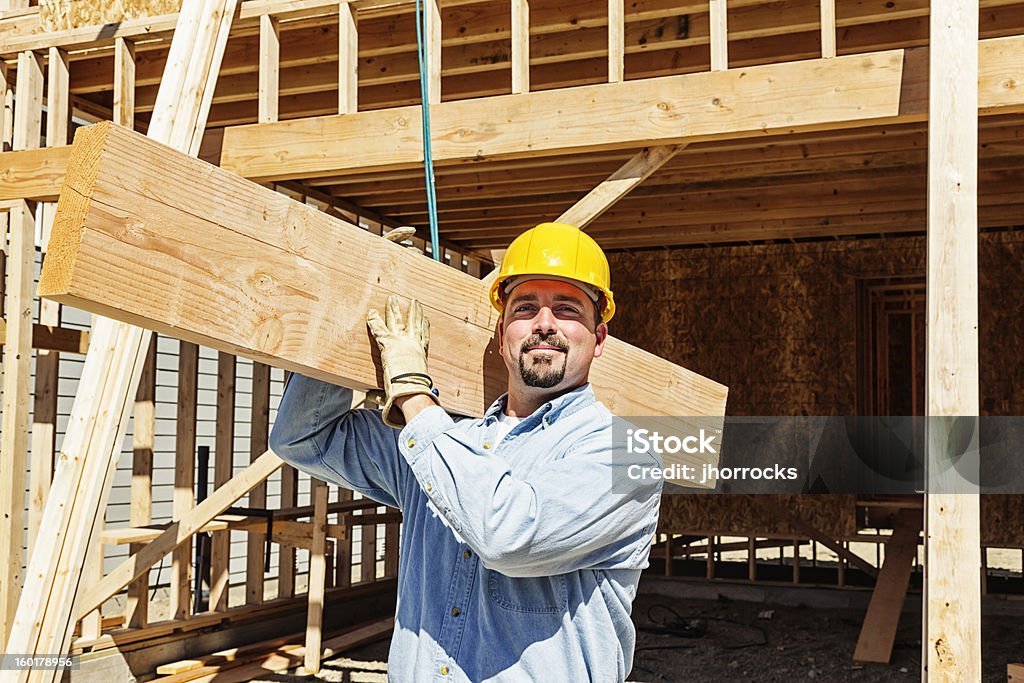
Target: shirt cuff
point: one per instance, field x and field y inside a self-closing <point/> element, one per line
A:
<point x="421" y="431"/>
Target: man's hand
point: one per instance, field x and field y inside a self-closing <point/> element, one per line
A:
<point x="403" y="355"/>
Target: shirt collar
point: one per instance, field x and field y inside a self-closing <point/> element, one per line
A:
<point x="558" y="407"/>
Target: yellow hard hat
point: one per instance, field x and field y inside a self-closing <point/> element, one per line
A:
<point x="562" y="252"/>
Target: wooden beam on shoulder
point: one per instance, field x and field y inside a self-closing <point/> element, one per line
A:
<point x="276" y="299"/>
<point x="33" y="174"/>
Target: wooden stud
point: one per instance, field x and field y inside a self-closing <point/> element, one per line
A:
<point x="391" y="543"/>
<point x="259" y="431"/>
<point x="520" y="46"/>
<point x="184" y="476"/>
<point x="616" y="41"/>
<point x="952" y="622"/>
<point x="752" y="559"/>
<point x="141" y="510"/>
<point x="368" y="552"/>
<point x="709" y="572"/>
<point x="432" y="41"/>
<point x="269" y="77"/>
<point x="828" y="28"/>
<point x="124" y="82"/>
<point x="343" y="549"/>
<point x="111" y="373"/>
<point x="193" y="201"/>
<point x="796" y="561"/>
<point x="58" y="101"/>
<point x="178" y="532"/>
<point x="719" y="35"/>
<point x="14" y="433"/>
<point x="223" y="467"/>
<point x="286" y="554"/>
<point x="348" y="59"/>
<point x="317" y="578"/>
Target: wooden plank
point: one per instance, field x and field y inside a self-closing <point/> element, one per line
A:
<point x="184" y="476"/>
<point x="432" y="45"/>
<point x="617" y="185"/>
<point x="223" y="466"/>
<point x="178" y="532"/>
<point x="317" y="579"/>
<point x="951" y="646"/>
<point x="719" y="36"/>
<point x="343" y="546"/>
<point x="840" y="92"/>
<point x="616" y="41"/>
<point x="34" y="174"/>
<point x="124" y="82"/>
<point x="300" y="533"/>
<point x="392" y="532"/>
<point x="1014" y="673"/>
<point x="111" y="373"/>
<point x="367" y="552"/>
<point x="259" y="432"/>
<point x="44" y="409"/>
<point x="348" y="59"/>
<point x="265" y="301"/>
<point x="828" y="28"/>
<point x="270" y="59"/>
<point x="521" y="46"/>
<point x="141" y="508"/>
<point x="286" y="554"/>
<point x="17" y="388"/>
<point x="878" y="632"/>
<point x="63" y="15"/>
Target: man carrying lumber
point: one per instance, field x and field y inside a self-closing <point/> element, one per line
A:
<point x="518" y="561"/>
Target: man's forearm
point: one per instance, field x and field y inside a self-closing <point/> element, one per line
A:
<point x="411" y="406"/>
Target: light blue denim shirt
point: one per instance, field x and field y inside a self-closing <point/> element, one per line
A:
<point x="517" y="561"/>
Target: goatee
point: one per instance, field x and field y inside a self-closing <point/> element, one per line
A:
<point x="543" y="373"/>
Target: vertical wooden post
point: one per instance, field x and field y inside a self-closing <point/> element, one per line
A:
<point x="710" y="565"/>
<point x="828" y="28"/>
<point x="521" y="46"/>
<point x="368" y="549"/>
<point x="391" y="542"/>
<point x="270" y="66"/>
<point x="752" y="559"/>
<point x="952" y="642"/>
<point x="124" y="82"/>
<point x="223" y="469"/>
<point x="44" y="413"/>
<point x="286" y="554"/>
<point x="616" y="41"/>
<point x="317" y="578"/>
<point x="184" y="476"/>
<point x="141" y="512"/>
<point x="719" y="36"/>
<point x="6" y="136"/>
<point x="796" y="560"/>
<point x="18" y="348"/>
<point x="259" y="430"/>
<point x="343" y="548"/>
<point x="432" y="40"/>
<point x="348" y="59"/>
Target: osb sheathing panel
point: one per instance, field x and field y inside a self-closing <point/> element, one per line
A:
<point x="777" y="323"/>
<point x="747" y="516"/>
<point x="59" y="15"/>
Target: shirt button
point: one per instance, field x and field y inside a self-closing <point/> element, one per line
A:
<point x="456" y="611"/>
<point x="430" y="487"/>
<point x="444" y="670"/>
<point x="466" y="554"/>
<point x="412" y="442"/>
<point x="487" y="445"/>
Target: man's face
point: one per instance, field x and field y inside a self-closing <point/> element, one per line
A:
<point x="549" y="336"/>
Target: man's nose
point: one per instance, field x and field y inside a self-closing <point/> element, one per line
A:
<point x="544" y="322"/>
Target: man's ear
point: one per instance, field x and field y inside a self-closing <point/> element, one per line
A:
<point x="501" y="336"/>
<point x="602" y="336"/>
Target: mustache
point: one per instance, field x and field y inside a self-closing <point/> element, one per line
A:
<point x="547" y="340"/>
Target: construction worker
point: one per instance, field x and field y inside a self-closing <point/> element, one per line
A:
<point x="518" y="562"/>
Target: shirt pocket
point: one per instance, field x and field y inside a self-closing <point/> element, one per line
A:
<point x="534" y="595"/>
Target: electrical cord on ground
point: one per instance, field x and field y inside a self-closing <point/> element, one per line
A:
<point x="691" y="627"/>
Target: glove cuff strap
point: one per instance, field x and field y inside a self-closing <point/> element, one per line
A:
<point x="427" y="381"/>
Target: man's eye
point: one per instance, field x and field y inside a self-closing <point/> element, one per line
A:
<point x="568" y="309"/>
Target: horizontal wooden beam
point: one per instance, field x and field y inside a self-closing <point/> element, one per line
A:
<point x="33" y="174"/>
<point x="860" y="89"/>
<point x="155" y="238"/>
<point x="856" y="90"/>
<point x="50" y="338"/>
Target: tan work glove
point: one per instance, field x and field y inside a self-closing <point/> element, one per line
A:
<point x="403" y="355"/>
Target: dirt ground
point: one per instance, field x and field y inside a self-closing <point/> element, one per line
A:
<point x="743" y="641"/>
